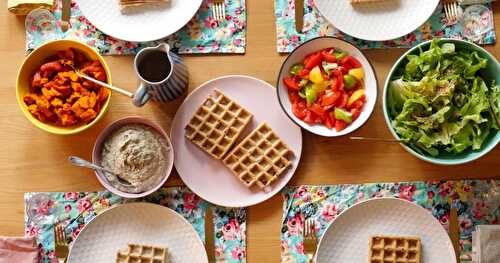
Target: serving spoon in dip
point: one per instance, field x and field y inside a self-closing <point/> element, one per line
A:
<point x="84" y="163"/>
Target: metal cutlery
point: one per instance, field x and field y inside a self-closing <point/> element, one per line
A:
<point x="66" y="14"/>
<point x="299" y="15"/>
<point x="452" y="10"/>
<point x="61" y="245"/>
<point x="310" y="240"/>
<point x="454" y="232"/>
<point x="209" y="234"/>
<point x="358" y="138"/>
<point x="113" y="88"/>
<point x="219" y="10"/>
<point x="84" y="163"/>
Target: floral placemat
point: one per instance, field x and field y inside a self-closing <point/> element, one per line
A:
<point x="315" y="25"/>
<point x="76" y="209"/>
<point x="201" y="35"/>
<point x="477" y="203"/>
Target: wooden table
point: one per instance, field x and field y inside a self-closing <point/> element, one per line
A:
<point x="33" y="160"/>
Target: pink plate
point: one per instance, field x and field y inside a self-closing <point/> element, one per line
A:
<point x="209" y="178"/>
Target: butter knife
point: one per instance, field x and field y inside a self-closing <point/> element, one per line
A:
<point x="454" y="232"/>
<point x="299" y="15"/>
<point x="209" y="235"/>
<point x="66" y="14"/>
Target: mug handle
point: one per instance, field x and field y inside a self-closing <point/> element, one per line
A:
<point x="141" y="96"/>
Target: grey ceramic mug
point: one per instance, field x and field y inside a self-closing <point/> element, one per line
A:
<point x="168" y="89"/>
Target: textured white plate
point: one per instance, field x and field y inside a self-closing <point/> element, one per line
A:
<point x="140" y="223"/>
<point x="311" y="46"/>
<point x="378" y="21"/>
<point x="147" y="25"/>
<point x="209" y="178"/>
<point x="346" y="239"/>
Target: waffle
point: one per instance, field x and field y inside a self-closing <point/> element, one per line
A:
<point x="142" y="254"/>
<point x="260" y="158"/>
<point x="385" y="249"/>
<point x="217" y="124"/>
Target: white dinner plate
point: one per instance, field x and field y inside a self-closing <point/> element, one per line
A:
<point x="346" y="239"/>
<point x="146" y="25"/>
<point x="379" y="21"/>
<point x="209" y="178"/>
<point x="141" y="223"/>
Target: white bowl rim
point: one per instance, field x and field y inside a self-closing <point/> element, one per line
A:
<point x="308" y="127"/>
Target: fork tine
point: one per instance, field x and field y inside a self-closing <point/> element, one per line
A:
<point x="223" y="11"/>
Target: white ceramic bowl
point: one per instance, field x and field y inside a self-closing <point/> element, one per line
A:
<point x="298" y="56"/>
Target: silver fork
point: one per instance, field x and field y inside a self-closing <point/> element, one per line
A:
<point x="61" y="249"/>
<point x="451" y="10"/>
<point x="219" y="10"/>
<point x="310" y="241"/>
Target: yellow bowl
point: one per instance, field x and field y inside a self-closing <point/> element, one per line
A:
<point x="35" y="60"/>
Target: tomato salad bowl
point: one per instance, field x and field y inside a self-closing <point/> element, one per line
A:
<point x="327" y="86"/>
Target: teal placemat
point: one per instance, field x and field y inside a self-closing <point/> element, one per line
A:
<point x="477" y="203"/>
<point x="76" y="209"/>
<point x="201" y="35"/>
<point x="315" y="25"/>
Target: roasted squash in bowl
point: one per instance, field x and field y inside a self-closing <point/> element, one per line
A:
<point x="53" y="97"/>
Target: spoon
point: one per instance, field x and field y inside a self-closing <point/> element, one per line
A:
<point x="113" y="88"/>
<point x="375" y="139"/>
<point x="84" y="163"/>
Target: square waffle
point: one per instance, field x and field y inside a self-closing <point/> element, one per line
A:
<point x="217" y="124"/>
<point x="385" y="249"/>
<point x="260" y="158"/>
<point x="142" y="254"/>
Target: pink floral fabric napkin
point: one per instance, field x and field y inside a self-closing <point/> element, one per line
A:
<point x="18" y="250"/>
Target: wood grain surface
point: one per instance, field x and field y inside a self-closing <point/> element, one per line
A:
<point x="33" y="160"/>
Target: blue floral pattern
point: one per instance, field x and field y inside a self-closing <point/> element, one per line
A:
<point x="477" y="202"/>
<point x="315" y="25"/>
<point x="203" y="34"/>
<point x="76" y="209"/>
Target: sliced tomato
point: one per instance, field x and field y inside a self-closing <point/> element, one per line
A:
<point x="304" y="74"/>
<point x="343" y="101"/>
<point x="329" y="122"/>
<point x="339" y="80"/>
<point x="328" y="56"/>
<point x="355" y="113"/>
<point x="313" y="60"/>
<point x="299" y="111"/>
<point x="317" y="109"/>
<point x="330" y="98"/>
<point x="358" y="104"/>
<point x="293" y="96"/>
<point x="351" y="61"/>
<point x="310" y="118"/>
<point x="290" y="83"/>
<point x="340" y="125"/>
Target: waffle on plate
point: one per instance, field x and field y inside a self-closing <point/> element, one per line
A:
<point x="385" y="249"/>
<point x="217" y="124"/>
<point x="136" y="253"/>
<point x="260" y="158"/>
